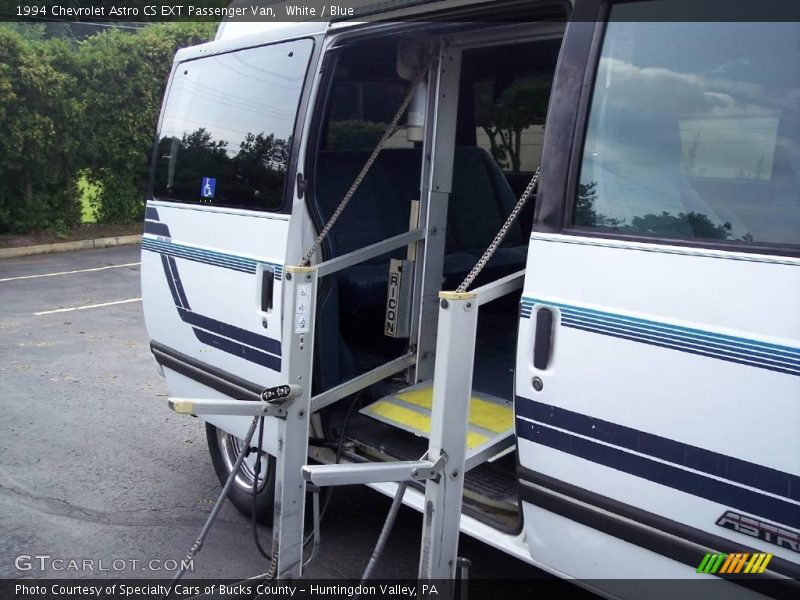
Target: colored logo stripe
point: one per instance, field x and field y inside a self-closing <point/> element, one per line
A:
<point x="735" y="563"/>
<point x="736" y="470"/>
<point x="666" y="474"/>
<point x="710" y="563"/>
<point x="774" y="357"/>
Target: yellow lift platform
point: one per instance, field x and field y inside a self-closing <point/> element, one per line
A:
<point x="491" y="419"/>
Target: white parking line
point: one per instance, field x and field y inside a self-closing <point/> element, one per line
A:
<point x="71" y="308"/>
<point x="70" y="272"/>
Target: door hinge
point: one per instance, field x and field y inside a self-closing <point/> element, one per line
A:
<point x="302" y="185"/>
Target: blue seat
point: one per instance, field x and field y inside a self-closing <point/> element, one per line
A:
<point x="375" y="212"/>
<point x="479" y="203"/>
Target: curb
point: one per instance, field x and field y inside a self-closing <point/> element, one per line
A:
<point x="69" y="246"/>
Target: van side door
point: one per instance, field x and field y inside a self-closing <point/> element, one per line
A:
<point x="217" y="220"/>
<point x="658" y="361"/>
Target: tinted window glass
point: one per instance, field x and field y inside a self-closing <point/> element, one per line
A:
<point x="227" y="130"/>
<point x="360" y="113"/>
<point x="694" y="131"/>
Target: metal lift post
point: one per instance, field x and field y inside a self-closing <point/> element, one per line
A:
<point x="452" y="390"/>
<point x="299" y="301"/>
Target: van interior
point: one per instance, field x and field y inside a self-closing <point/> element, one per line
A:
<point x="501" y="107"/>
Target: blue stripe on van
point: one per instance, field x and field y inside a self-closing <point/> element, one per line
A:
<point x="238" y="334"/>
<point x="230" y="339"/>
<point x="750" y="352"/>
<point x="178" y="283"/>
<point x="246" y="352"/>
<point x="171" y="281"/>
<point x="209" y="257"/>
<point x="201" y="255"/>
<point x="156" y="228"/>
<point x="237" y="341"/>
<point x="696" y="484"/>
<point x="727" y="467"/>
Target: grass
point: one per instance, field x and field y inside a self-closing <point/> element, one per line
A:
<point x="87" y="191"/>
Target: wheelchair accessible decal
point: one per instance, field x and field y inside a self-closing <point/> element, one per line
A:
<point x="208" y="187"/>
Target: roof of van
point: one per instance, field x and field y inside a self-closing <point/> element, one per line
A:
<point x="303" y="24"/>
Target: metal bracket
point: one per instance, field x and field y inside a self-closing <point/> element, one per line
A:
<point x="275" y="403"/>
<point x="431" y="472"/>
<point x="363" y="473"/>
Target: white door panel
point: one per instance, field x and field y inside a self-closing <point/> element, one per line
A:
<point x="610" y="564"/>
<point x="216" y="229"/>
<point x="666" y="386"/>
<point x="683" y="404"/>
<point x="616" y="266"/>
<point x="673" y="385"/>
<point x="216" y="313"/>
<point x="677" y="403"/>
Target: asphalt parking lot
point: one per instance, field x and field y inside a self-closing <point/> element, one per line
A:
<point x="94" y="466"/>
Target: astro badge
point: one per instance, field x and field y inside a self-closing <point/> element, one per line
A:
<point x="208" y="187"/>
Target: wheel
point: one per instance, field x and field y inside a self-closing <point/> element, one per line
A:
<point x="224" y="449"/>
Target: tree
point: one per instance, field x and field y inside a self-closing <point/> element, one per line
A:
<point x="505" y="114"/>
<point x="125" y="76"/>
<point x="69" y="106"/>
<point x="40" y="132"/>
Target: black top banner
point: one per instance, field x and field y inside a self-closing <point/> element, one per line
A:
<point x="272" y="11"/>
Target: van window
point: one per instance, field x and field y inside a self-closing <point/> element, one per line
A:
<point x="694" y="131"/>
<point x="226" y="134"/>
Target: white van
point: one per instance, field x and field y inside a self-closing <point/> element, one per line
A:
<point x="635" y="390"/>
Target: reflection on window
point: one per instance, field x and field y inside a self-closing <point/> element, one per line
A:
<point x="361" y="111"/>
<point x="729" y="148"/>
<point x="697" y="139"/>
<point x="226" y="134"/>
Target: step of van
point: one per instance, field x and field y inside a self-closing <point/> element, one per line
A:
<point x="490" y="489"/>
<point x="491" y="419"/>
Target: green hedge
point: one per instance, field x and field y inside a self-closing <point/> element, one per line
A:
<point x="87" y="107"/>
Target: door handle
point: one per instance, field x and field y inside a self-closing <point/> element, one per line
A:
<point x="543" y="339"/>
<point x="267" y="288"/>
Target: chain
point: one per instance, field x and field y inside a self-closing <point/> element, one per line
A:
<point x="390" y="130"/>
<point x="523" y="199"/>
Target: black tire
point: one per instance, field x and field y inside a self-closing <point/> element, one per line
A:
<point x="223" y="449"/>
